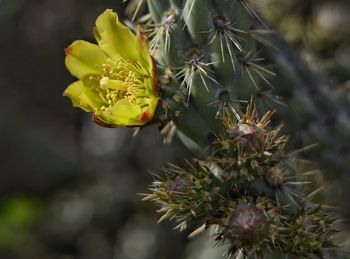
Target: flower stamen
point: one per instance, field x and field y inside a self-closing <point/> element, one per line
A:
<point x="121" y="79"/>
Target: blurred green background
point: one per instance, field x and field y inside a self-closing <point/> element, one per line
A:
<point x="68" y="188"/>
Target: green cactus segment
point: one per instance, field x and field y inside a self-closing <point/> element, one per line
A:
<point x="224" y="45"/>
<point x="197" y="66"/>
<point x="196" y="15"/>
<point x="157" y="9"/>
<point x="178" y="4"/>
<point x="195" y="128"/>
<point x="185" y="193"/>
<point x="193" y="194"/>
<point x="247" y="187"/>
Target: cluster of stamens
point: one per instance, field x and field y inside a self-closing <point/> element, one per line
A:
<point x="120" y="79"/>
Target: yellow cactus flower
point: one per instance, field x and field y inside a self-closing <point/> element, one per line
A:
<point x="117" y="77"/>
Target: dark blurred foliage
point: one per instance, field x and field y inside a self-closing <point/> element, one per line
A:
<point x="68" y="187"/>
<point x="319" y="29"/>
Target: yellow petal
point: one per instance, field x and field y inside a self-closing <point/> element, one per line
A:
<point x="115" y="38"/>
<point x="83" y="58"/>
<point x="122" y="113"/>
<point x="83" y="97"/>
<point x="148" y="112"/>
<point x="143" y="51"/>
<point x="151" y="84"/>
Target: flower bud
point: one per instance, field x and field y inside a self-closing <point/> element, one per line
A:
<point x="179" y="185"/>
<point x="248" y="223"/>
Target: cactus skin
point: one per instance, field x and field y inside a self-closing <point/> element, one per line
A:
<point x="209" y="63"/>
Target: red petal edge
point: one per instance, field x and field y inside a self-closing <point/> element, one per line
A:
<point x="143" y="40"/>
<point x="146" y="116"/>
<point x="68" y="50"/>
<point x="155" y="77"/>
<point x="101" y="123"/>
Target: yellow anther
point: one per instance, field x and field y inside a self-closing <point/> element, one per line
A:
<point x="120" y="81"/>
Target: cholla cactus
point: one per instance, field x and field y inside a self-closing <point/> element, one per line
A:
<point x="245" y="187"/>
<point x="242" y="181"/>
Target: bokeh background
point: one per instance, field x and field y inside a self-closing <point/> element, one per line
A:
<point x="68" y="188"/>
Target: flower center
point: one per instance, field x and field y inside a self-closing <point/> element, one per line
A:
<point x="121" y="79"/>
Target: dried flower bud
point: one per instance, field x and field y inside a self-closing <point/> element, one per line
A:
<point x="179" y="185"/>
<point x="244" y="132"/>
<point x="311" y="226"/>
<point x="248" y="131"/>
<point x="248" y="223"/>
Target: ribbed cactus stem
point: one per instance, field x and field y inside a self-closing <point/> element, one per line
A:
<point x="196" y="15"/>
